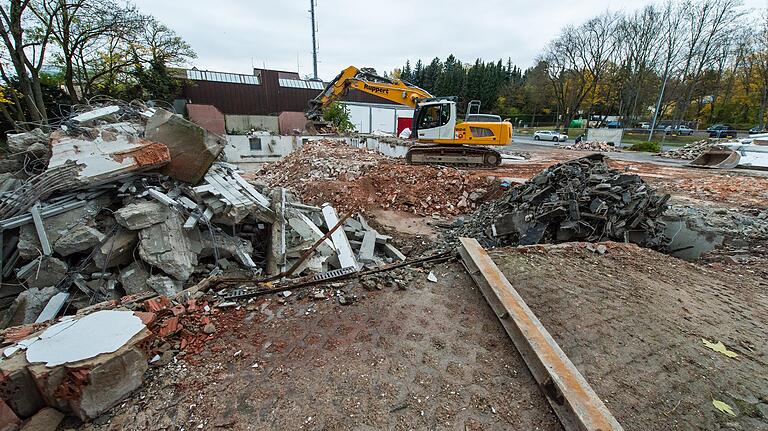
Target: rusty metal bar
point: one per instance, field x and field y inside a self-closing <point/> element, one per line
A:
<point x="577" y="406"/>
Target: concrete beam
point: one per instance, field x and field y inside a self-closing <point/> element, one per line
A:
<point x="577" y="406"/>
<point x="40" y="228"/>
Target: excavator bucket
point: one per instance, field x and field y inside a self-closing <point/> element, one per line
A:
<point x="717" y="157"/>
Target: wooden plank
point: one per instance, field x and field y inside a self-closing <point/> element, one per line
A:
<point x="577" y="406"/>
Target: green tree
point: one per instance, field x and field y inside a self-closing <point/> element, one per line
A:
<point x="338" y="115"/>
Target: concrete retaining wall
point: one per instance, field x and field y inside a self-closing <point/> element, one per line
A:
<point x="244" y="123"/>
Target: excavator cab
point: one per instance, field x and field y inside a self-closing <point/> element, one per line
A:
<point x="434" y="120"/>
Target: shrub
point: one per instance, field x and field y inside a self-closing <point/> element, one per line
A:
<point x="648" y="147"/>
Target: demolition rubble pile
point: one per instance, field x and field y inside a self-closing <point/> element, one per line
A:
<point x="604" y="147"/>
<point x="353" y="178"/>
<point x="129" y="207"/>
<point x="579" y="200"/>
<point x="691" y="151"/>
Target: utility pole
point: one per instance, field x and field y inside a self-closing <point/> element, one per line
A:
<point x="658" y="104"/>
<point x="314" y="42"/>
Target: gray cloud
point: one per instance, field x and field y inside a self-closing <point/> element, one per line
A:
<point x="230" y="35"/>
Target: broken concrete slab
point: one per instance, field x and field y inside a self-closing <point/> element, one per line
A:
<point x="141" y="214"/>
<point x="47" y="419"/>
<point x="166" y="246"/>
<point x="96" y="360"/>
<point x="52" y="308"/>
<point x="95" y="114"/>
<point x="20" y="142"/>
<point x="49" y="272"/>
<point x="164" y="285"/>
<point x="231" y="197"/>
<point x="116" y="250"/>
<point x="28" y="305"/>
<point x="78" y="239"/>
<point x="17" y="387"/>
<point x="367" y="248"/>
<point x="133" y="278"/>
<point x="392" y="252"/>
<point x="106" y="157"/>
<point x="192" y="148"/>
<point x="310" y="232"/>
<point x="339" y="238"/>
<point x="29" y="243"/>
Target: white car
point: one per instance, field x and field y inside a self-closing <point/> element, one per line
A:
<point x="550" y="135"/>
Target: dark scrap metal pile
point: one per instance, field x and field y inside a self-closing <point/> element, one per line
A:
<point x="579" y="200"/>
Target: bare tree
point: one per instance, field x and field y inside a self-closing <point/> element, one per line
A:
<point x="26" y="41"/>
<point x="577" y="59"/>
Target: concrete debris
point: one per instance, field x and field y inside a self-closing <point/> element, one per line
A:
<point x="578" y="200"/>
<point x="192" y="148"/>
<point x="47" y="419"/>
<point x="78" y="239"/>
<point x="691" y="151"/>
<point x="603" y="147"/>
<point x="168" y="247"/>
<point x="145" y="218"/>
<point x="141" y="214"/>
<point x="164" y="285"/>
<point x="360" y="179"/>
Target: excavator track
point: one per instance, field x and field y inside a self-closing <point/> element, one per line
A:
<point x="462" y="156"/>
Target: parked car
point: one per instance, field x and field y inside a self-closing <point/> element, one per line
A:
<point x="758" y="129"/>
<point x="679" y="130"/>
<point x="721" y="131"/>
<point x="613" y="125"/>
<point x="550" y="135"/>
<point x="646" y="126"/>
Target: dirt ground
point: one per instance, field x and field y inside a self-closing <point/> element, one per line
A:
<point x="433" y="356"/>
<point x="429" y="357"/>
<point x="632" y="321"/>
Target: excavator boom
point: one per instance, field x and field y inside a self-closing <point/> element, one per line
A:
<point x="392" y="89"/>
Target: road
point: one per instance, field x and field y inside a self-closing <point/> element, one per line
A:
<point x="529" y="140"/>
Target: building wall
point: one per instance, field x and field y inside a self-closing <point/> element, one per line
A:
<point x="267" y="98"/>
<point x="244" y="123"/>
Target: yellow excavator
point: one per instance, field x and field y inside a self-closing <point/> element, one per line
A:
<point x="440" y="140"/>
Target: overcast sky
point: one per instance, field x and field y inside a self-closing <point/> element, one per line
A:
<point x="234" y="35"/>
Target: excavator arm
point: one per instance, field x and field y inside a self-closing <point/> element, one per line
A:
<point x="392" y="89"/>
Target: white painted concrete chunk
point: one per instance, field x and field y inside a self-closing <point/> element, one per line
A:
<point x="75" y="340"/>
<point x="96" y="114"/>
<point x="339" y="237"/>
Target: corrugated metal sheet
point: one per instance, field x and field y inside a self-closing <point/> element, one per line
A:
<point x="267" y="98"/>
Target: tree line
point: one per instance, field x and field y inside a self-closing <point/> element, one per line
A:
<point x="693" y="62"/>
<point x="57" y="53"/>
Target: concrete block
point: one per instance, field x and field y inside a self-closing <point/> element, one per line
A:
<point x="367" y="247"/>
<point x="167" y="246"/>
<point x="133" y="278"/>
<point x="47" y="419"/>
<point x="50" y="272"/>
<point x="117" y="250"/>
<point x="164" y="285"/>
<point x="192" y="148"/>
<point x="17" y="387"/>
<point x="142" y="214"/>
<point x="92" y="386"/>
<point x="78" y="239"/>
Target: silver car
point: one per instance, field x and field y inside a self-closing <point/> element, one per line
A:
<point x="550" y="135"/>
